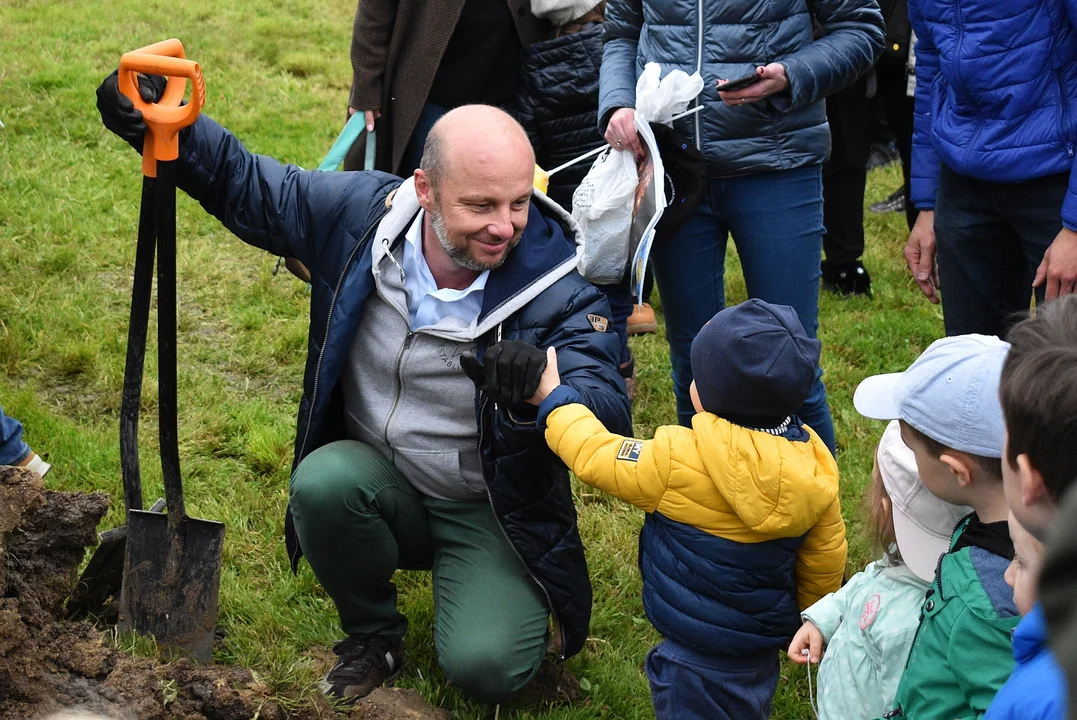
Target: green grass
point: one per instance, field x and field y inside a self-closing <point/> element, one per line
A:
<point x="277" y="74"/>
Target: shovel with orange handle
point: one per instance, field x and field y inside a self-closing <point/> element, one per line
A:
<point x="171" y="561"/>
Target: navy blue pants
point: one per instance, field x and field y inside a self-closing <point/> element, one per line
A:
<point x="12" y="448"/>
<point x="991" y="237"/>
<point x="686" y="685"/>
<point x="776" y="219"/>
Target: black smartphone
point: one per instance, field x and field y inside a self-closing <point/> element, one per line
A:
<point x="739" y="83"/>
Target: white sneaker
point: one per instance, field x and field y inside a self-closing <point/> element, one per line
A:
<point x="34" y="463"/>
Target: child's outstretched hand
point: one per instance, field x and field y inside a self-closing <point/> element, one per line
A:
<point x="807" y="638"/>
<point x="550" y="378"/>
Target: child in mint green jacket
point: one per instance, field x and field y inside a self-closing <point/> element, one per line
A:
<point x="868" y="626"/>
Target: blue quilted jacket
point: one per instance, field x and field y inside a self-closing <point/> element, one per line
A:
<point x="727" y="39"/>
<point x="996" y="93"/>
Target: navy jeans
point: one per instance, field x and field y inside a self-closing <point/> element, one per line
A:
<point x="776" y="219"/>
<point x="991" y="237"/>
<point x="413" y="153"/>
<point x="686" y="685"/>
<point x="12" y="449"/>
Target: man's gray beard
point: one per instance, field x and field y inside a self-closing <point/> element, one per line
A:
<point x="458" y="255"/>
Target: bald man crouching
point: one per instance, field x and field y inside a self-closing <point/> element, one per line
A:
<point x="401" y="460"/>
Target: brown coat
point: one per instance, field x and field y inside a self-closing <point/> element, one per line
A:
<point x="396" y="49"/>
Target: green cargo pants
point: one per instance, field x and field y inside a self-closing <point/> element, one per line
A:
<point x="359" y="520"/>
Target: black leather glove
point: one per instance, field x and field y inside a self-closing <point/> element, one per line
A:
<point x="510" y="374"/>
<point x="119" y="114"/>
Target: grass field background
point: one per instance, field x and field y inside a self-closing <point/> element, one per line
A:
<point x="278" y="76"/>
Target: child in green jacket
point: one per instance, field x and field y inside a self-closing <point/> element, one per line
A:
<point x="868" y="626"/>
<point x="948" y="405"/>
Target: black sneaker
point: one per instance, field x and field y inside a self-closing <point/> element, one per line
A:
<point x="895" y="202"/>
<point x="365" y="663"/>
<point x="846" y="279"/>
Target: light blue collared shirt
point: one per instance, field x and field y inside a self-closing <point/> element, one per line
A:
<point x="427" y="303"/>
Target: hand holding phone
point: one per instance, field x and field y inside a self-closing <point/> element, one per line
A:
<point x="740" y="83"/>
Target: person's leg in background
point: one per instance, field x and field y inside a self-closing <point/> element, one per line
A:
<point x="491" y="619"/>
<point x="1034" y="209"/>
<point x="850" y="114"/>
<point x="898" y="105"/>
<point x="780" y="247"/>
<point x="688" y="686"/>
<point x="689" y="269"/>
<point x="982" y="268"/>
<point x="413" y="154"/>
<point x="621" y="303"/>
<point x="13" y="451"/>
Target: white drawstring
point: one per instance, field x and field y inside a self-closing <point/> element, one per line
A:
<point x="597" y="150"/>
<point x="811" y="691"/>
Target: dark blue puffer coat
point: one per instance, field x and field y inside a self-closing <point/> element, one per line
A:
<point x="996" y="93"/>
<point x="727" y="39"/>
<point x="326" y="221"/>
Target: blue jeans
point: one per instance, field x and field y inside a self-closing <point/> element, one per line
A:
<point x="12" y="449"/>
<point x="619" y="296"/>
<point x="686" y="685"/>
<point x="991" y="237"/>
<point x="776" y="219"/>
<point x="413" y="153"/>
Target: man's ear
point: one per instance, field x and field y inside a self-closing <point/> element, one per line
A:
<point x="423" y="190"/>
<point x="1033" y="488"/>
<point x="960" y="465"/>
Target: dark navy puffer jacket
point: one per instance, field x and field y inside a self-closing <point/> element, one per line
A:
<point x="996" y="93"/>
<point x="717" y="596"/>
<point x="558" y="105"/>
<point x="326" y="220"/>
<point x="727" y="39"/>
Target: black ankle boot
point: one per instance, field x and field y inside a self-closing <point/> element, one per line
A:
<point x="846" y="278"/>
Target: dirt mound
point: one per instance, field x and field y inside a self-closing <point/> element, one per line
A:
<point x="47" y="665"/>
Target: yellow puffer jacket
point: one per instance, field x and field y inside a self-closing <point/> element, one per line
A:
<point x="734" y="483"/>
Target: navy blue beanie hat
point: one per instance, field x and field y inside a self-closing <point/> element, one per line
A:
<point x="754" y="360"/>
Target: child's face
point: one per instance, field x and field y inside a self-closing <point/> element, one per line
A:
<point x="694" y="394"/>
<point x="937" y="476"/>
<point x="1024" y="571"/>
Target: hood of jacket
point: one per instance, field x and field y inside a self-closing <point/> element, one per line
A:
<point x="776" y="487"/>
<point x="549" y="249"/>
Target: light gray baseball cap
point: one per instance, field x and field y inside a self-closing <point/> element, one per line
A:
<point x="949" y="394"/>
<point x="923" y="524"/>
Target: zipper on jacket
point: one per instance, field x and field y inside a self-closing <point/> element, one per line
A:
<point x="960" y="27"/>
<point x="1063" y="105"/>
<point x="328" y="323"/>
<point x="399" y="390"/>
<point x="490" y="496"/>
<point x="699" y="66"/>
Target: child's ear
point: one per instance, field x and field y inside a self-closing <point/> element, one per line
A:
<point x="1033" y="488"/>
<point x="960" y="465"/>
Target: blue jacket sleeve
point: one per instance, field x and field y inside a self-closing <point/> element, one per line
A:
<point x="279" y="208"/>
<point x="925" y="161"/>
<point x="853" y="40"/>
<point x="617" y="78"/>
<point x="587" y="360"/>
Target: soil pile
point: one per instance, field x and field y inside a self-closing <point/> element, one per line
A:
<point x="47" y="664"/>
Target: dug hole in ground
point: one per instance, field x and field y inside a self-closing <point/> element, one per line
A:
<point x="48" y="664"/>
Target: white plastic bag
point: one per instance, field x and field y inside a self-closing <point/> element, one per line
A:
<point x="602" y="205"/>
<point x="659" y="98"/>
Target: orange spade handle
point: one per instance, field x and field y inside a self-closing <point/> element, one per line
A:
<point x="165" y="118"/>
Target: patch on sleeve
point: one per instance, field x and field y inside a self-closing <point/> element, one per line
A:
<point x="630" y="450"/>
<point x="598" y="322"/>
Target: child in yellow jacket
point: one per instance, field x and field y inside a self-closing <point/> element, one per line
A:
<point x="743" y="527"/>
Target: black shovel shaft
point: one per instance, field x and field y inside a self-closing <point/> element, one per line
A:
<point x="166" y="340"/>
<point x="136" y="345"/>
